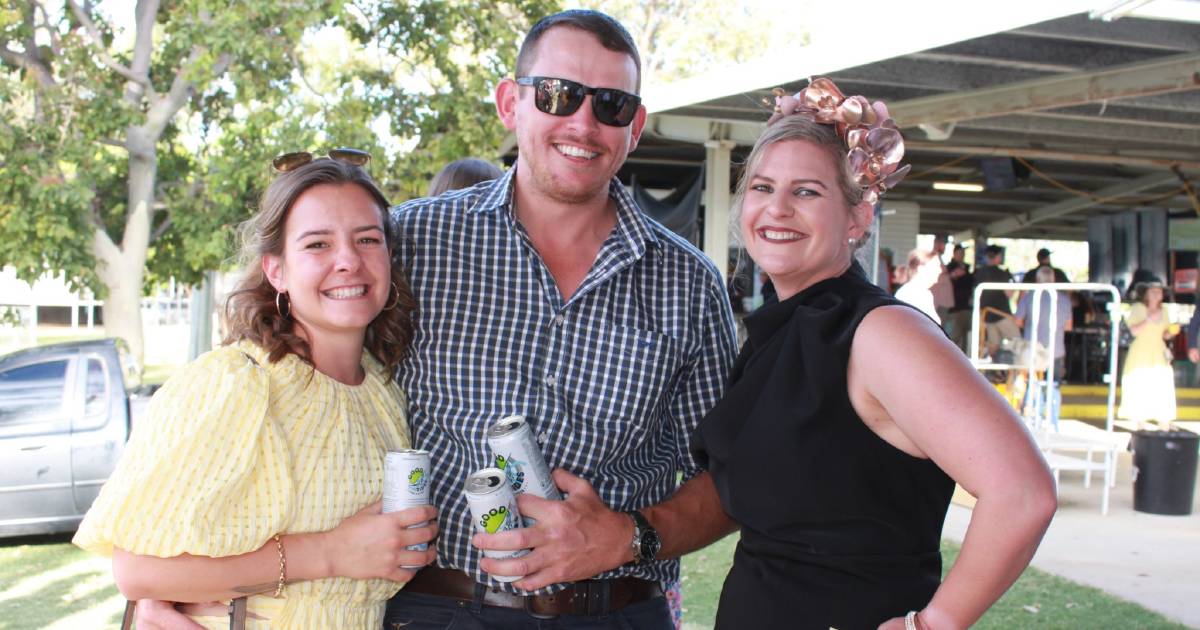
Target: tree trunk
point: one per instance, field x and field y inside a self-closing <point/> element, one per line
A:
<point x="123" y="309"/>
<point x="123" y="268"/>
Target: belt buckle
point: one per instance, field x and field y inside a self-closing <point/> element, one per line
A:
<point x="525" y="603"/>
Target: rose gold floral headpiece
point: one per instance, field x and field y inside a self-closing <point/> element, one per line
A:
<point x="873" y="142"/>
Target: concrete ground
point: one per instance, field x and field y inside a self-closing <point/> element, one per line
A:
<point x="1144" y="558"/>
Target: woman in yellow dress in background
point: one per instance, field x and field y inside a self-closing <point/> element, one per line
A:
<point x="1148" y="381"/>
<point x="258" y="468"/>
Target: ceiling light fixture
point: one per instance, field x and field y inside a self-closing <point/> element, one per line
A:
<point x="958" y="186"/>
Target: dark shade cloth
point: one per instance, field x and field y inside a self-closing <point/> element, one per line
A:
<point x="678" y="210"/>
<point x="839" y="528"/>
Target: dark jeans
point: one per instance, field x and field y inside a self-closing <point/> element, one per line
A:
<point x="415" y="611"/>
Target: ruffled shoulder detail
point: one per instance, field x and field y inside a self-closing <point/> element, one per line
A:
<point x="206" y="472"/>
<point x="1137" y="314"/>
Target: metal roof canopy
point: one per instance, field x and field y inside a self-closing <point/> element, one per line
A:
<point x="1109" y="110"/>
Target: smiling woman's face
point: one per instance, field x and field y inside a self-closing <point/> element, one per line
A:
<point x="335" y="266"/>
<point x="794" y="218"/>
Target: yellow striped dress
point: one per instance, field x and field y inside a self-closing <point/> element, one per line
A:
<point x="231" y="452"/>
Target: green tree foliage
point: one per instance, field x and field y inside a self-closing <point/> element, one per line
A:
<point x="682" y="38"/>
<point x="130" y="149"/>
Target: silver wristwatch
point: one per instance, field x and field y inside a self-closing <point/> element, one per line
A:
<point x="645" y="543"/>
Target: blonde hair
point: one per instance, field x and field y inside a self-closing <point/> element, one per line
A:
<point x="797" y="127"/>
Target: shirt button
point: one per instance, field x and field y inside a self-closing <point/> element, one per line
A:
<point x="558" y="320"/>
<point x="542" y="438"/>
<point x="550" y="381"/>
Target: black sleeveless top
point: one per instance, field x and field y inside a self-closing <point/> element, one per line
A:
<point x="838" y="528"/>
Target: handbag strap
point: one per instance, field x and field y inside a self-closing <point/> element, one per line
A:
<point x="237" y="614"/>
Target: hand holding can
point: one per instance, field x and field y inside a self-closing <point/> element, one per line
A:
<point x="406" y="484"/>
<point x="494" y="509"/>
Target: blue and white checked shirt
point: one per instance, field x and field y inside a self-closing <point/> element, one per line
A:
<point x="613" y="381"/>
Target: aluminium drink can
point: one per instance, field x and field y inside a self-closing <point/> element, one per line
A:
<point x="518" y="455"/>
<point x="493" y="509"/>
<point x="406" y="484"/>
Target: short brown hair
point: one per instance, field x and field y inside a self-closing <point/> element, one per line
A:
<point x="611" y="34"/>
<point x="250" y="310"/>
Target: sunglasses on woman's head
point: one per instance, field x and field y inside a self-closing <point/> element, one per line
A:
<point x="292" y="161"/>
<point x="560" y="97"/>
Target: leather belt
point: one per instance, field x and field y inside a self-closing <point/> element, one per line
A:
<point x="588" y="597"/>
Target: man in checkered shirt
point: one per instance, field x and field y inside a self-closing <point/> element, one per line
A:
<point x="548" y="293"/>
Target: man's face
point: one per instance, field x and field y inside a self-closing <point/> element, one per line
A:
<point x="939" y="246"/>
<point x="570" y="159"/>
<point x="959" y="254"/>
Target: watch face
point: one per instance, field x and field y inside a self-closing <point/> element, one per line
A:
<point x="650" y="544"/>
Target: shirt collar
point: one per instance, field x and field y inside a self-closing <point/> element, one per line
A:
<point x="632" y="224"/>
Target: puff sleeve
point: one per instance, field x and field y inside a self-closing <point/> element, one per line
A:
<point x="206" y="472"/>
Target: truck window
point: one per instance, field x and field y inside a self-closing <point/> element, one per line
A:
<point x="95" y="401"/>
<point x="31" y="398"/>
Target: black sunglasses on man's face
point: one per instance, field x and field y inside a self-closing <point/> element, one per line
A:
<point x="560" y="97"/>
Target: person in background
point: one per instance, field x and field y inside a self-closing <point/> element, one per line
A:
<point x="463" y="173"/>
<point x="943" y="290"/>
<point x="1043" y="260"/>
<point x="998" y="322"/>
<point x="849" y="415"/>
<point x="1059" y="325"/>
<point x="924" y="271"/>
<point x="887" y="269"/>
<point x="1148" y="381"/>
<point x="1193" y="336"/>
<point x="958" y="322"/>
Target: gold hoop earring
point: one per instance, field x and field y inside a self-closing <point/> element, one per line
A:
<point x="395" y="302"/>
<point x="279" y="307"/>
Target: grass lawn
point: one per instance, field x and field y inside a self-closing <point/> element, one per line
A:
<point x="47" y="583"/>
<point x="1037" y="600"/>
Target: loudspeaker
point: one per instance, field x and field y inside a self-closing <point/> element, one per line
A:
<point x="998" y="173"/>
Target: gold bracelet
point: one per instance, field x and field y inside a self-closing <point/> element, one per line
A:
<point x="282" y="567"/>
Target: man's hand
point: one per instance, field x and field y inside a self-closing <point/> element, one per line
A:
<point x="153" y="614"/>
<point x="573" y="539"/>
<point x="1194" y="355"/>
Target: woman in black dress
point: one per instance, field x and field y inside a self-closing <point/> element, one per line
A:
<point x="849" y="415"/>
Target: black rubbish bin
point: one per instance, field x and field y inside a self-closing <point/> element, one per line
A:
<point x="1164" y="471"/>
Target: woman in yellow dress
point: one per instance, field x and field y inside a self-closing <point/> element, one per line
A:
<point x="1148" y="381"/>
<point x="258" y="468"/>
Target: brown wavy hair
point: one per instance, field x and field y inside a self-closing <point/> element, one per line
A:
<point x="250" y="310"/>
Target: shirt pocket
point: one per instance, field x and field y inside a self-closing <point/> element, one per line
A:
<point x="629" y="380"/>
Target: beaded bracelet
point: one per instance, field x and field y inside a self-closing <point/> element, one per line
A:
<point x="282" y="567"/>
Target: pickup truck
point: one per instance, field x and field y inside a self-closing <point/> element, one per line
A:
<point x="65" y="415"/>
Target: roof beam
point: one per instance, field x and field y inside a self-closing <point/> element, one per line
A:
<point x="1045" y="127"/>
<point x="701" y="130"/>
<point x="1024" y="220"/>
<point x="1046" y="154"/>
<point x="1171" y="74"/>
<point x="1133" y="33"/>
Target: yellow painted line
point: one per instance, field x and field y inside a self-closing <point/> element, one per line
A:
<point x="1190" y="393"/>
<point x="1100" y="412"/>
